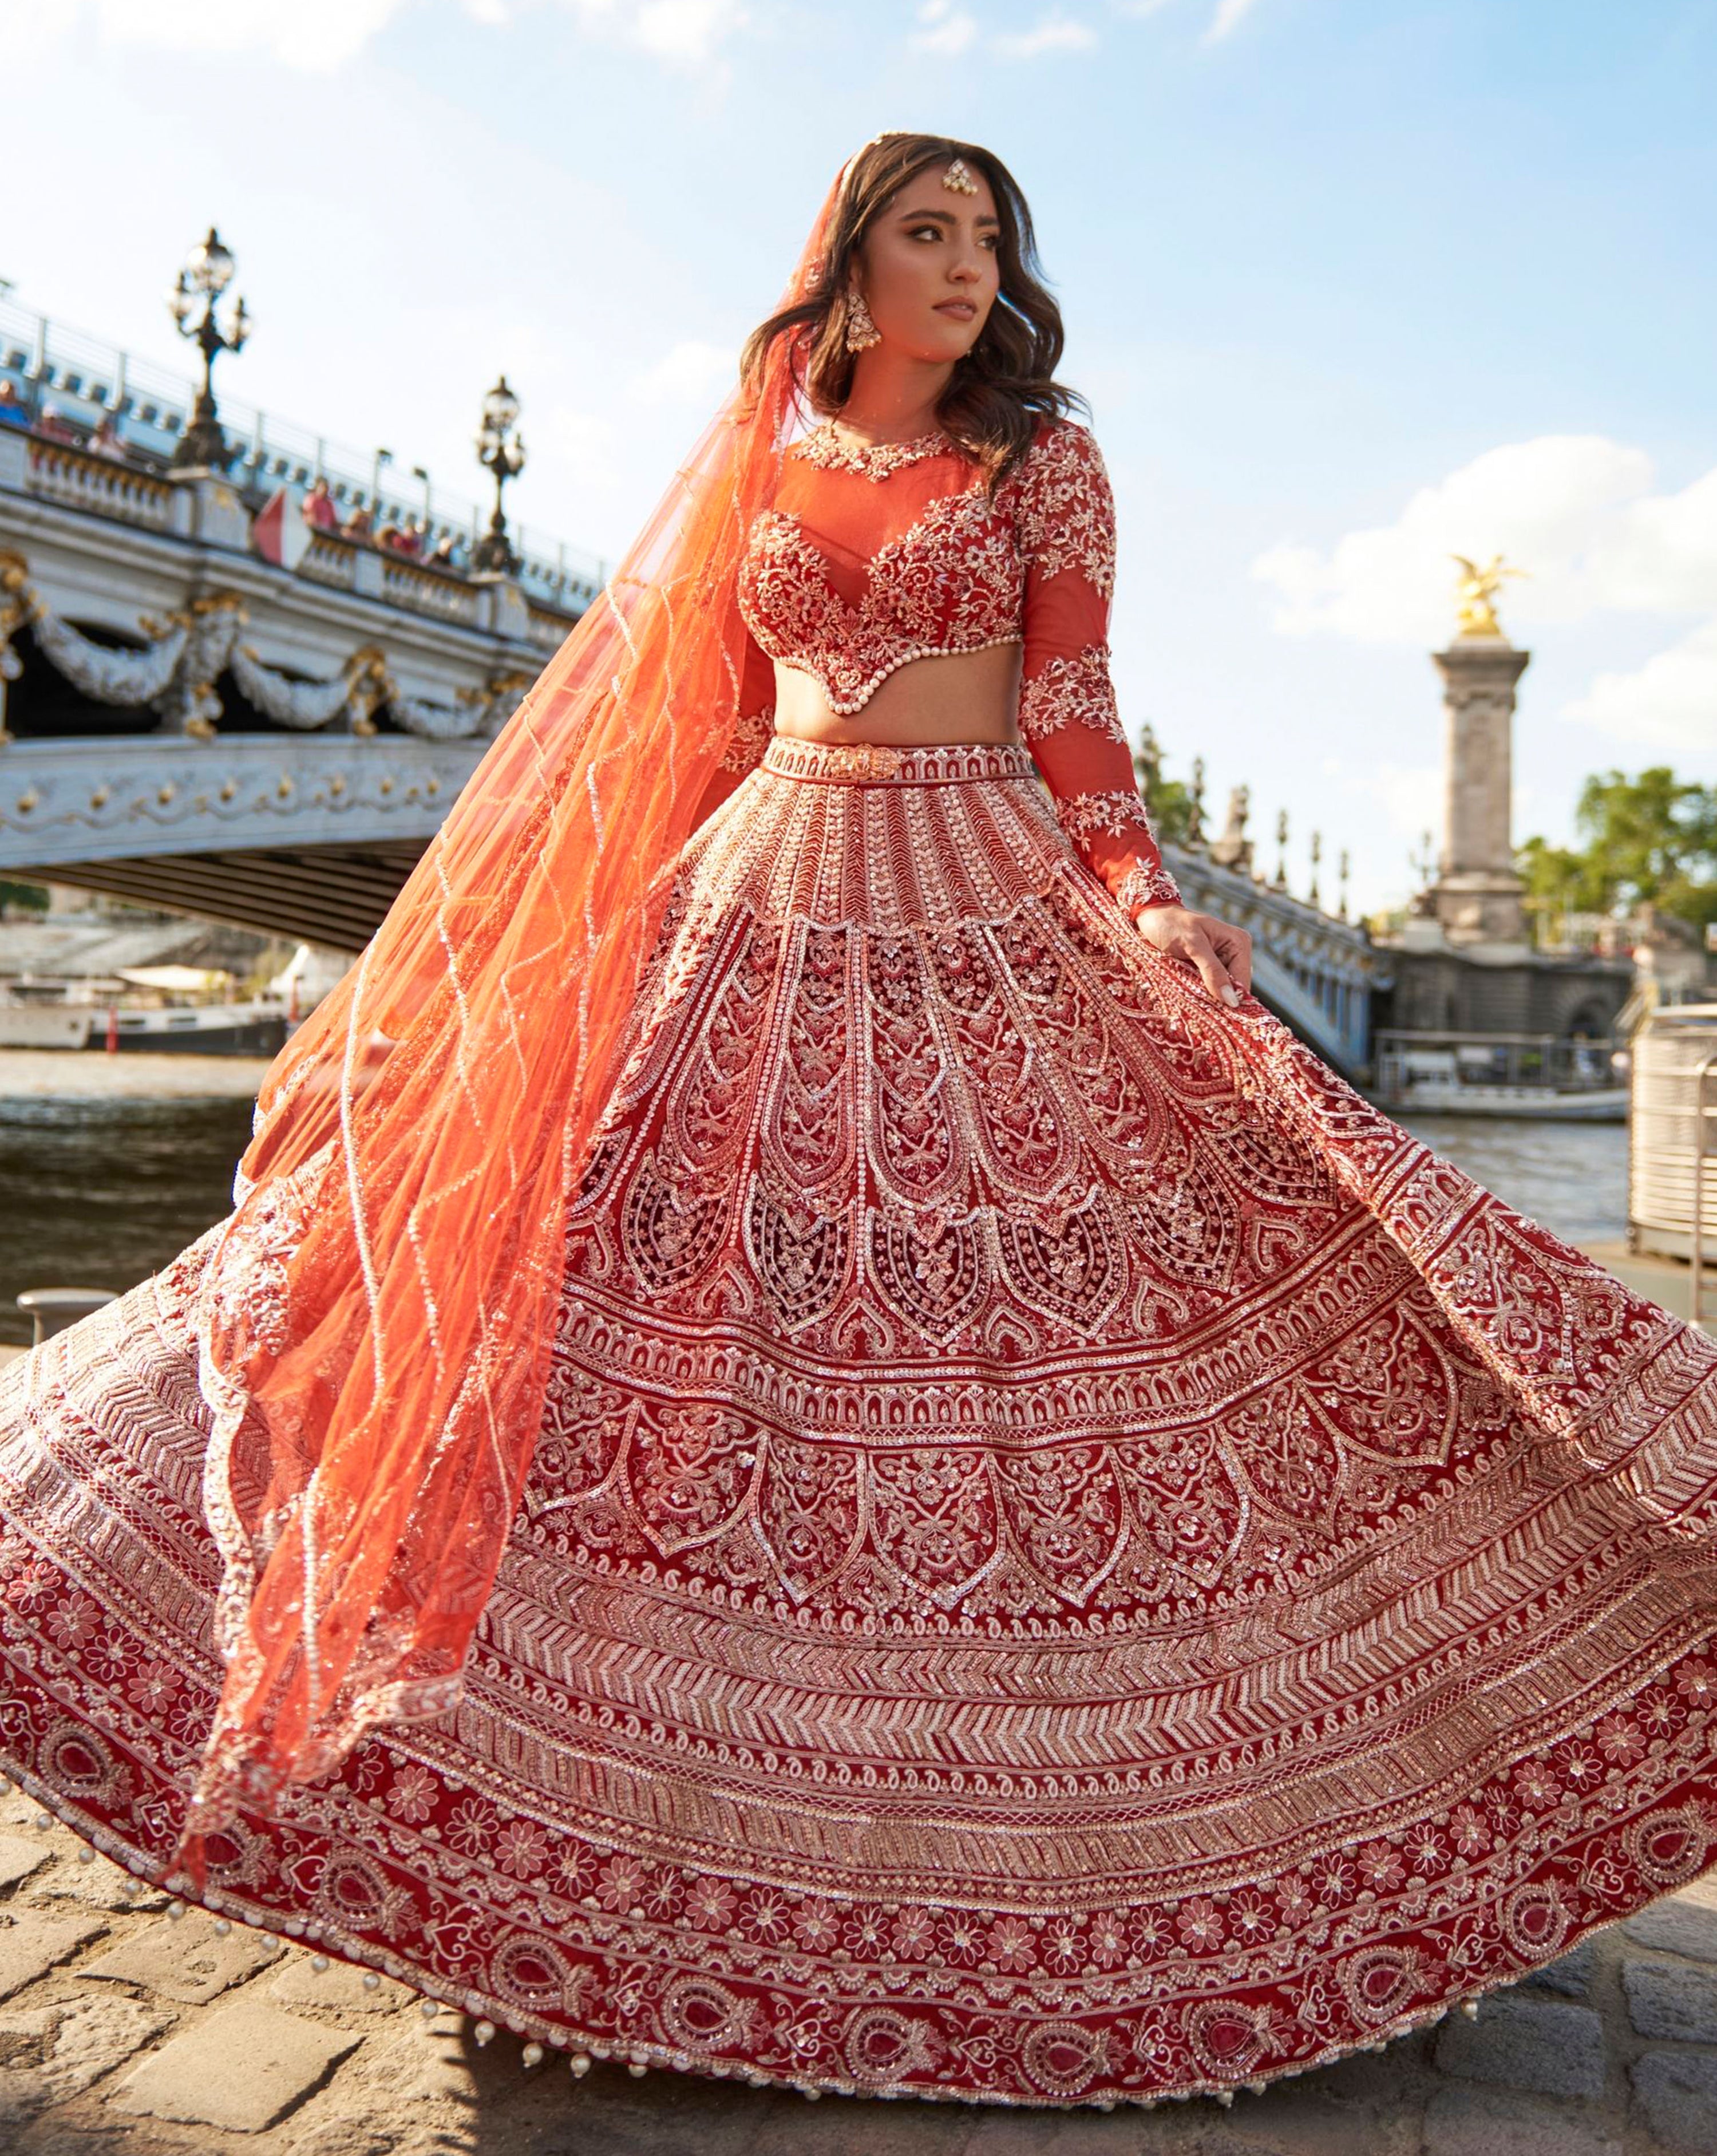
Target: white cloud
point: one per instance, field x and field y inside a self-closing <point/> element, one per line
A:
<point x="1227" y="19"/>
<point x="1671" y="701"/>
<point x="1578" y="513"/>
<point x="1410" y="795"/>
<point x="947" y="28"/>
<point x="589" y="445"/>
<point x="693" y="372"/>
<point x="1571" y="509"/>
<point x="1054" y="33"/>
<point x="320" y="36"/>
<point x="943" y="27"/>
<point x="685" y="33"/>
<point x="316" y="36"/>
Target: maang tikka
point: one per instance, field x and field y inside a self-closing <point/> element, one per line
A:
<point x="958" y="179"/>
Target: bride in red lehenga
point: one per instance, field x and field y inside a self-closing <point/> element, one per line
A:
<point x="814" y="1450"/>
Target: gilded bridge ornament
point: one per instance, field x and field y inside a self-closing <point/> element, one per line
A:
<point x="1476" y="588"/>
<point x="175" y="672"/>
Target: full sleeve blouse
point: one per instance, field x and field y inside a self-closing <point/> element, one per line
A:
<point x="874" y="558"/>
<point x="1068" y="713"/>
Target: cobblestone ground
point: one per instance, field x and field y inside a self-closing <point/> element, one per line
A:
<point x="125" y="2032"/>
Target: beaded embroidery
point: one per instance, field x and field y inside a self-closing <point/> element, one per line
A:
<point x="1143" y="887"/>
<point x="1077" y="690"/>
<point x="848" y="591"/>
<point x="874" y="460"/>
<point x="1083" y="815"/>
<point x="1067" y="1559"/>
<point x="751" y="738"/>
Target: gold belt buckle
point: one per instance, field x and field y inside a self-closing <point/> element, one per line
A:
<point x="865" y="759"/>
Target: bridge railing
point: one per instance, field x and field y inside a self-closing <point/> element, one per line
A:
<point x="77" y="479"/>
<point x="1316" y="970"/>
<point x="84" y="381"/>
<point x="81" y="479"/>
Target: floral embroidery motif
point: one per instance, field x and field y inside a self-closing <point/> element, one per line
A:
<point x="1144" y="886"/>
<point x="1078" y="690"/>
<point x="957" y="572"/>
<point x="1066" y="507"/>
<point x="752" y="732"/>
<point x="952" y="582"/>
<point x="1000" y="1398"/>
<point x="832" y="451"/>
<point x="1083" y="816"/>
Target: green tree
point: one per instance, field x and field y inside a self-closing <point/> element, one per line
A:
<point x="1168" y="799"/>
<point x="1650" y="838"/>
<point x="24" y="897"/>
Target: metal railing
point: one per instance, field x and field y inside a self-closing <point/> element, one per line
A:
<point x="1555" y="1061"/>
<point x="83" y="380"/>
<point x="1672" y="1159"/>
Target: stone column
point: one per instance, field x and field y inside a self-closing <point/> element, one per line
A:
<point x="1477" y="894"/>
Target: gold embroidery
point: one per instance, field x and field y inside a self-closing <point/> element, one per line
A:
<point x="1084" y="816"/>
<point x="825" y="447"/>
<point x="1076" y="689"/>
<point x="1146" y="885"/>
<point x="1068" y="1558"/>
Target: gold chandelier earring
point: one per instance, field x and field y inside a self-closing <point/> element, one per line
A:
<point x="861" y="332"/>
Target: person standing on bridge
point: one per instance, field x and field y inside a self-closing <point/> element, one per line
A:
<point x="815" y="1450"/>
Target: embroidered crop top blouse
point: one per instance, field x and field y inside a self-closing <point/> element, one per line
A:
<point x="873" y="555"/>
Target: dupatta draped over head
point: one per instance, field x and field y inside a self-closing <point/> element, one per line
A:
<point x="377" y="1317"/>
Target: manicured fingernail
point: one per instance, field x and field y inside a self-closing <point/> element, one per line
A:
<point x="1231" y="994"/>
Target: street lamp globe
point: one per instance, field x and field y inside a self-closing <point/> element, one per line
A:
<point x="207" y="273"/>
<point x="500" y="409"/>
<point x="209" y="265"/>
<point x="502" y="454"/>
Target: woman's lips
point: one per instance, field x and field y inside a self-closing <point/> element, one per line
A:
<point x="961" y="310"/>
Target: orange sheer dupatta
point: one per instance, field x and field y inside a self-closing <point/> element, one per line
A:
<point x="375" y="1323"/>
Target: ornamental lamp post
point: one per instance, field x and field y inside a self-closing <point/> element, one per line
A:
<point x="499" y="451"/>
<point x="207" y="273"/>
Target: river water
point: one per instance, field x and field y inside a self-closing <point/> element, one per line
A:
<point x="111" y="1165"/>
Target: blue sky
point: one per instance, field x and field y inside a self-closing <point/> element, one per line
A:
<point x="1349" y="284"/>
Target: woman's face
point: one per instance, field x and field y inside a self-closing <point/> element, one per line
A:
<point x="928" y="268"/>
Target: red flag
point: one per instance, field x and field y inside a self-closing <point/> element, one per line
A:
<point x="278" y="532"/>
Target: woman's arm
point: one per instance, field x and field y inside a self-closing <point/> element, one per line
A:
<point x="752" y="731"/>
<point x="1067" y="706"/>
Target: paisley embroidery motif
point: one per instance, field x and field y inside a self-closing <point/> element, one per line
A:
<point x="1068" y="1559"/>
<point x="751" y="735"/>
<point x="1067" y="508"/>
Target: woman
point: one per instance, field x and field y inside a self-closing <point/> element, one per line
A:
<point x="814" y="1450"/>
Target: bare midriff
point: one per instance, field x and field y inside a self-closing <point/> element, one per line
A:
<point x="954" y="696"/>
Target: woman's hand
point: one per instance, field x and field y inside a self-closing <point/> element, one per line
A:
<point x="1223" y="955"/>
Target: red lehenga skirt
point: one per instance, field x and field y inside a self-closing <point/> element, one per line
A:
<point x="1069" y="1559"/>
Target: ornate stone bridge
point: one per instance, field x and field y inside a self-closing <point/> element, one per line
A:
<point x="190" y="725"/>
<point x="1315" y="971"/>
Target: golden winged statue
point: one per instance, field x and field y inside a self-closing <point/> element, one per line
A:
<point x="1476" y="588"/>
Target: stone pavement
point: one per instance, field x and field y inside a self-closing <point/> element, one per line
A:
<point x="124" y="2031"/>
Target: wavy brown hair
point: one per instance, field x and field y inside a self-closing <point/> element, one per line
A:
<point x="999" y="389"/>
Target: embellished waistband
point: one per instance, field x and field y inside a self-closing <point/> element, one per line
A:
<point x="882" y="763"/>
